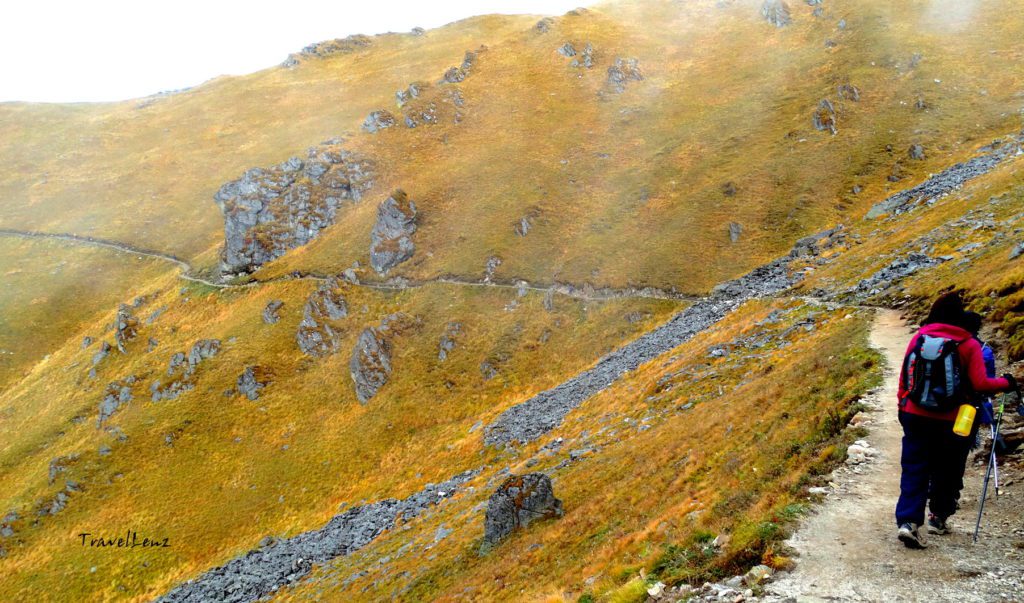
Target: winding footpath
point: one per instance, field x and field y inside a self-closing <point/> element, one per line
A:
<point x="848" y="549"/>
<point x="584" y="292"/>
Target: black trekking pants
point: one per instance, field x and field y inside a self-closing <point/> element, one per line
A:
<point x="933" y="463"/>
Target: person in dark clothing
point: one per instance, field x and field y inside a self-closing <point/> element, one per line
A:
<point x="933" y="457"/>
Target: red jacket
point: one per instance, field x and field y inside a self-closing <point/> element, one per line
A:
<point x="970" y="358"/>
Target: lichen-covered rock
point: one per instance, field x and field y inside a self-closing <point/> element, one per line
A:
<point x="316" y="336"/>
<point x="126" y="327"/>
<point x="519" y="501"/>
<point x="251" y="381"/>
<point x="271" y="313"/>
<point x="623" y="71"/>
<point x="824" y="117"/>
<point x="117" y="394"/>
<point x="270" y="211"/>
<point x="776" y="12"/>
<point x="379" y="120"/>
<point x="390" y="241"/>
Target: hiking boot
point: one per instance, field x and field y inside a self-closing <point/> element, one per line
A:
<point x="910" y="536"/>
<point x="937" y="525"/>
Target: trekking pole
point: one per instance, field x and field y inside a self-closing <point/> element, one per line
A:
<point x="992" y="458"/>
<point x="991" y="464"/>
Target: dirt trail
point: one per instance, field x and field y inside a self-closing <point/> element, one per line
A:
<point x="848" y="549"/>
<point x="584" y="292"/>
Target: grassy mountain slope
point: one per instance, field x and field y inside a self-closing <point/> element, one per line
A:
<point x="620" y="188"/>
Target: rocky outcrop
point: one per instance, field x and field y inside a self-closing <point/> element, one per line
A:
<point x="271" y="313"/>
<point x="447" y="343"/>
<point x="623" y="71"/>
<point x="126" y="327"/>
<point x="519" y="501"/>
<point x="86" y="342"/>
<point x="327" y="48"/>
<point x="490" y="267"/>
<point x="916" y="152"/>
<point x="390" y="241"/>
<point x="848" y="92"/>
<point x="567" y="50"/>
<point x="413" y="91"/>
<point x="316" y="335"/>
<point x="270" y="211"/>
<point x="585" y="58"/>
<point x="544" y="25"/>
<point x="117" y="394"/>
<point x="59" y="465"/>
<point x="370" y="364"/>
<point x="101" y="353"/>
<point x="181" y="370"/>
<point x="379" y="120"/>
<point x="277" y="563"/>
<point x="776" y="12"/>
<point x="824" y="117"/>
<point x="735" y="230"/>
<point x="251" y="381"/>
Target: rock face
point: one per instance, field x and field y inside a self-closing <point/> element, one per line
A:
<point x="390" y="241"/>
<point x="277" y="563"/>
<point x="623" y="71"/>
<point x="370" y="364"/>
<point x="379" y="120"/>
<point x="271" y="312"/>
<point x="315" y="336"/>
<point x="776" y="12"/>
<point x="270" y="211"/>
<point x="519" y="501"/>
<point x="126" y="328"/>
<point x="825" y="117"/>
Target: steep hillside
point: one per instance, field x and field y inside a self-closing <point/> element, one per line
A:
<point x="364" y="311"/>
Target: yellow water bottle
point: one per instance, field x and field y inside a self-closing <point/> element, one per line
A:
<point x="964" y="420"/>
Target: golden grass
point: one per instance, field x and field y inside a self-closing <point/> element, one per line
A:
<point x="736" y="463"/>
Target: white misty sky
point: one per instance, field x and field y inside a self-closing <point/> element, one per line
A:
<point x="101" y="50"/>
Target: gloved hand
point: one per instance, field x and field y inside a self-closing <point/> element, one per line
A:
<point x="1012" y="380"/>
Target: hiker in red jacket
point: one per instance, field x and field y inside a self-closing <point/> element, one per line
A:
<point x="943" y="368"/>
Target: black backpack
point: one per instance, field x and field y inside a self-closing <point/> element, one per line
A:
<point x="933" y="375"/>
